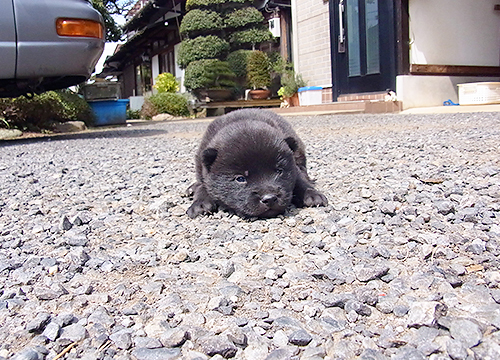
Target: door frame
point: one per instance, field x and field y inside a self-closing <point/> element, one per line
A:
<point x="391" y="38"/>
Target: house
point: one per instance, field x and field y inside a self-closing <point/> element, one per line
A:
<point x="153" y="40"/>
<point x="420" y="49"/>
<point x="353" y="49"/>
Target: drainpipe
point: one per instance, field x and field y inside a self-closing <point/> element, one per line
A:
<point x="295" y="41"/>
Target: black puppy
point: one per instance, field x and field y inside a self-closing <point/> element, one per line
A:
<point x="252" y="163"/>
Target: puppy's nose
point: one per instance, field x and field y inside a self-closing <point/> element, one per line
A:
<point x="269" y="199"/>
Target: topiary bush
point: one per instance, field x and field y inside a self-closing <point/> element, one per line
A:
<point x="196" y="50"/>
<point x="197" y="22"/>
<point x="197" y="4"/>
<point x="259" y="70"/>
<point x="165" y="103"/>
<point x="202" y="47"/>
<point x="166" y="82"/>
<point x="44" y="110"/>
<point x="250" y="37"/>
<point x="238" y="62"/>
<point x="208" y="74"/>
<point x="243" y="17"/>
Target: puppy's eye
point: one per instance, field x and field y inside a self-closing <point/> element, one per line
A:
<point x="241" y="179"/>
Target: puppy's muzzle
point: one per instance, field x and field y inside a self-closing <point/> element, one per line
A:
<point x="269" y="200"/>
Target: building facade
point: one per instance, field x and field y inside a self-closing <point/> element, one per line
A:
<point x="420" y="49"/>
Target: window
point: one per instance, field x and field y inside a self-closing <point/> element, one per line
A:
<point x="143" y="78"/>
<point x="167" y="62"/>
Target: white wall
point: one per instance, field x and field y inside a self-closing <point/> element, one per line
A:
<point x="155" y="67"/>
<point x="179" y="73"/>
<point x="311" y="41"/>
<point x="454" y="32"/>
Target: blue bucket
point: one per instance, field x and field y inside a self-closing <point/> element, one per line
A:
<point x="109" y="112"/>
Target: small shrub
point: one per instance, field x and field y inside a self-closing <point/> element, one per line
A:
<point x="209" y="74"/>
<point x="197" y="4"/>
<point x="166" y="82"/>
<point x="259" y="70"/>
<point x="165" y="103"/>
<point x="43" y="110"/>
<point x="238" y="62"/>
<point x="202" y="47"/>
<point x="133" y="114"/>
<point x="250" y="37"/>
<point x="243" y="17"/>
<point x="290" y="83"/>
<point x="200" y="21"/>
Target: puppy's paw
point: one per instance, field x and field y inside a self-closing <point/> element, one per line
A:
<point x="312" y="197"/>
<point x="191" y="190"/>
<point x="199" y="207"/>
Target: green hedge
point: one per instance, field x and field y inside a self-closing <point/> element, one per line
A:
<point x="42" y="111"/>
<point x="202" y="47"/>
<point x="259" y="70"/>
<point x="200" y="21"/>
<point x="165" y="103"/>
<point x="250" y="37"/>
<point x="238" y="62"/>
<point x="208" y="74"/>
<point x="243" y="17"/>
<point x="197" y="4"/>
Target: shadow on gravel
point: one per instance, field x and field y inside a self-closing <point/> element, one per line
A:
<point x="90" y="134"/>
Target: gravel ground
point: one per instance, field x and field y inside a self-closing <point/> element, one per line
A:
<point x="99" y="261"/>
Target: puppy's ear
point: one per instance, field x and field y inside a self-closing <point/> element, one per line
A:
<point x="208" y="157"/>
<point x="292" y="143"/>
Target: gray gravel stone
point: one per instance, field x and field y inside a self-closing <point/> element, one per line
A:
<point x="465" y="331"/>
<point x="122" y="339"/>
<point x="27" y="354"/>
<point x="39" y="322"/>
<point x="156" y="354"/>
<point x="73" y="332"/>
<point x="51" y="331"/>
<point x="218" y="346"/>
<point x="456" y="349"/>
<point x="300" y="338"/>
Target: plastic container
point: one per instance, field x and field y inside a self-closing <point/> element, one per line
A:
<point x="479" y="93"/>
<point x="108" y="90"/>
<point x="310" y="95"/>
<point x="109" y="112"/>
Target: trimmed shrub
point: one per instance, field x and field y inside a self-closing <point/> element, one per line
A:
<point x="290" y="83"/>
<point x="250" y="37"/>
<point x="197" y="22"/>
<point x="165" y="103"/>
<point x="42" y="111"/>
<point x="166" y="82"/>
<point x="208" y="74"/>
<point x="238" y="62"/>
<point x="197" y="4"/>
<point x="133" y="114"/>
<point x="202" y="47"/>
<point x="243" y="17"/>
<point x="258" y="69"/>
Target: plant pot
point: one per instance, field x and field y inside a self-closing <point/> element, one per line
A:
<point x="219" y="94"/>
<point x="260" y="94"/>
<point x="293" y="100"/>
<point x="213" y="94"/>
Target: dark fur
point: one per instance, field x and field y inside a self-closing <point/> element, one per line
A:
<point x="252" y="163"/>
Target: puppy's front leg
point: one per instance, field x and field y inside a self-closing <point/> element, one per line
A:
<point x="202" y="202"/>
<point x="304" y="194"/>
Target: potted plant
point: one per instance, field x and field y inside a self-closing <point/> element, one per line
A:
<point x="210" y="78"/>
<point x="211" y="30"/>
<point x="290" y="84"/>
<point x="259" y="74"/>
